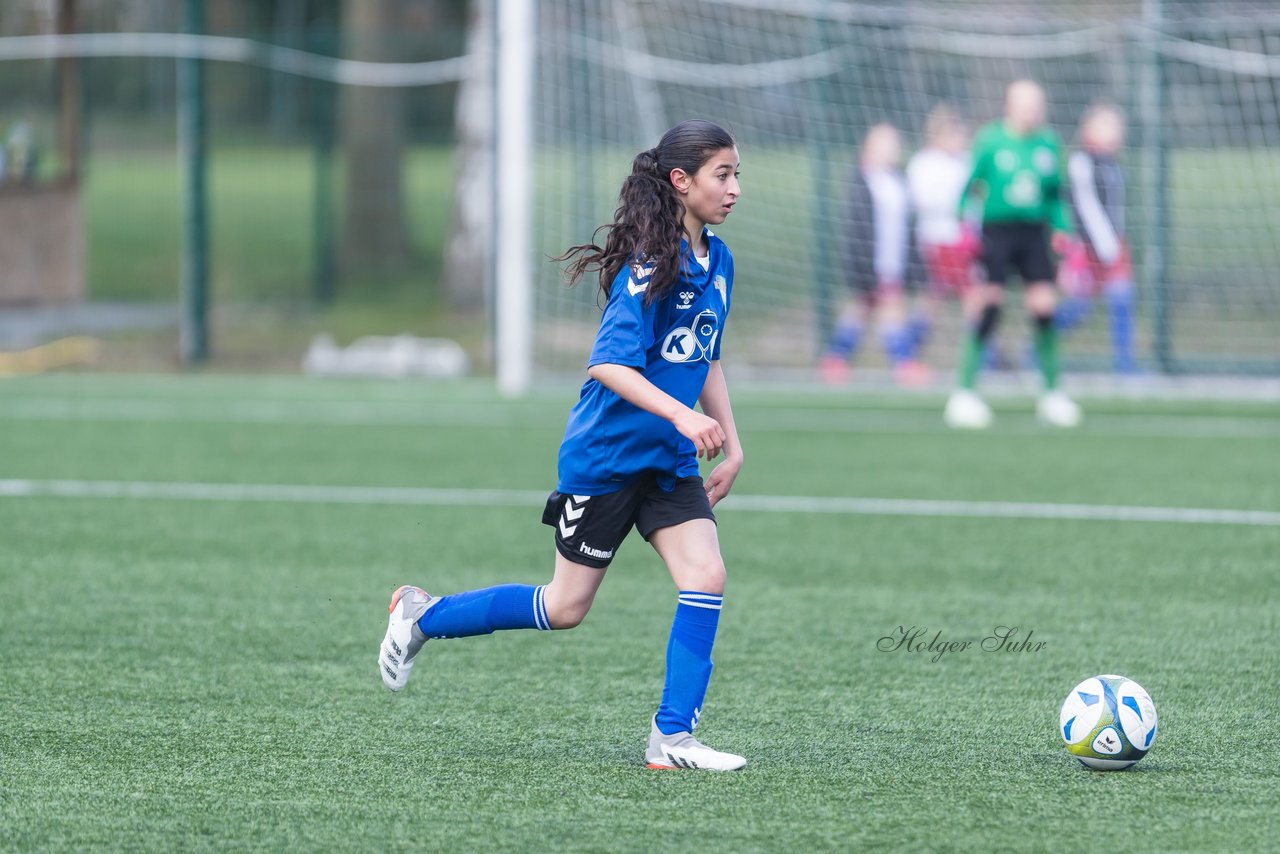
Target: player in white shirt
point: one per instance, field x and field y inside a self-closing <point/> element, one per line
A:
<point x="936" y="176"/>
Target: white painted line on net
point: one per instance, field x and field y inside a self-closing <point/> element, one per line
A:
<point x="423" y="496"/>
<point x="501" y="416"/>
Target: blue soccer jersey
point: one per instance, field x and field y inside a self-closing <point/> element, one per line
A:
<point x="609" y="442"/>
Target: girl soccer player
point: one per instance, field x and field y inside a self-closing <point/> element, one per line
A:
<point x="879" y="253"/>
<point x="1018" y="162"/>
<point x="936" y="177"/>
<point x="630" y="452"/>
<point x="1100" y="262"/>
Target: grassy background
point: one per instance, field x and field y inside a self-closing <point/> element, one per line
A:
<point x="261" y="227"/>
<point x="201" y="674"/>
<point x="263" y="199"/>
<point x="1222" y="250"/>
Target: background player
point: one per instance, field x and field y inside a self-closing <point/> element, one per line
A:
<point x="936" y="177"/>
<point x="878" y="252"/>
<point x="1101" y="260"/>
<point x="629" y="455"/>
<point x="1017" y="162"/>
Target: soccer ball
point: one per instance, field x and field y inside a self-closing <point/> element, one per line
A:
<point x="1108" y="722"/>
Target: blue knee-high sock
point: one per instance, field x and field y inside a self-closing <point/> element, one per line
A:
<point x="481" y="612"/>
<point x="1072" y="312"/>
<point x="992" y="358"/>
<point x="693" y="632"/>
<point x="845" y="339"/>
<point x="1120" y="304"/>
<point x="918" y="327"/>
<point x="897" y="343"/>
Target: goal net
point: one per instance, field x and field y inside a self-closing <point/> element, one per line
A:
<point x="799" y="83"/>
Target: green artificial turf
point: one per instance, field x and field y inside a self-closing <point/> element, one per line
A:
<point x="200" y="674"/>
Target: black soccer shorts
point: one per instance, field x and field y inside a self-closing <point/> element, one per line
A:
<point x="1020" y="247"/>
<point x="590" y="528"/>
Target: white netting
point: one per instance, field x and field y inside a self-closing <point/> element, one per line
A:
<point x="799" y="84"/>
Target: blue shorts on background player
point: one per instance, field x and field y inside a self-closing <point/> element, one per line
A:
<point x="630" y="452"/>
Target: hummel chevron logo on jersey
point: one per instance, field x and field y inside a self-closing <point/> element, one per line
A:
<point x="633" y="288"/>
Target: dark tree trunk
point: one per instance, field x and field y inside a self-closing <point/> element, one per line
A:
<point x="375" y="234"/>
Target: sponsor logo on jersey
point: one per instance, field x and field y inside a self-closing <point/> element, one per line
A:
<point x="692" y="344"/>
<point x="1023" y="191"/>
<point x="1043" y="160"/>
<point x="685" y="301"/>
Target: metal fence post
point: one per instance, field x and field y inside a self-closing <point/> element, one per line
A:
<point x="821" y="185"/>
<point x="324" y="131"/>
<point x="1155" y="164"/>
<point x="193" y="336"/>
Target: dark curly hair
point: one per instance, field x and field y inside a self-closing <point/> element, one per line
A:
<point x="649" y="223"/>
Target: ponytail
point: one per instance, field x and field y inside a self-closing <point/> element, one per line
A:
<point x="648" y="224"/>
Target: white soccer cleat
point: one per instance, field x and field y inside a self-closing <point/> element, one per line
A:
<point x="1058" y="410"/>
<point x="966" y="411"/>
<point x="403" y="639"/>
<point x="682" y="750"/>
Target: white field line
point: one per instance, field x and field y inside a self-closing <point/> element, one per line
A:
<point x="420" y="496"/>
<point x="501" y="416"/>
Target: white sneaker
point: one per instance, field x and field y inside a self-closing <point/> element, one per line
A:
<point x="966" y="411"/>
<point x="403" y="639"/>
<point x="1058" y="410"/>
<point x="682" y="750"/>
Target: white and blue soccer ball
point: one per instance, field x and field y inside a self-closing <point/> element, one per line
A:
<point x="1108" y="722"/>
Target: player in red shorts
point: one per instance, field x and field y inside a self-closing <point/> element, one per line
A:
<point x="949" y="246"/>
<point x="936" y="176"/>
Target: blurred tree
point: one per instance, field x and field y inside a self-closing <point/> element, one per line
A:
<point x="466" y="270"/>
<point x="375" y="234"/>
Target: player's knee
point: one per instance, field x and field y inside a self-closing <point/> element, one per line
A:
<point x="991" y="295"/>
<point x="707" y="576"/>
<point x="566" y="615"/>
<point x="1119" y="290"/>
<point x="566" y="605"/>
<point x="1041" y="301"/>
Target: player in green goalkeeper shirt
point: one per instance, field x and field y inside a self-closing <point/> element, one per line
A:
<point x="1018" y="168"/>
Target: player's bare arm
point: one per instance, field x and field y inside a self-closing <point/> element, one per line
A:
<point x="707" y="435"/>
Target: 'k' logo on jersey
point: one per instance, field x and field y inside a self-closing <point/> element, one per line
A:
<point x="696" y="344"/>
